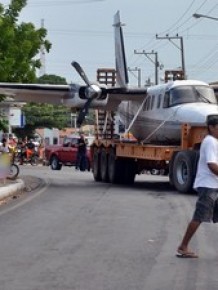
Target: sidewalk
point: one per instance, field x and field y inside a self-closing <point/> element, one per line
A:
<point x="11" y="187"/>
<point x="24" y="183"/>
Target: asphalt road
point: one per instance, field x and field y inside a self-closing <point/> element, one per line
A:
<point x="78" y="234"/>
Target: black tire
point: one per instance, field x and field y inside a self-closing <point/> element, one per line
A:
<point x="184" y="170"/>
<point x="13" y="171"/>
<point x="171" y="180"/>
<point x="129" y="171"/>
<point x="114" y="168"/>
<point x="96" y="165"/>
<point x="55" y="164"/>
<point x="104" y="166"/>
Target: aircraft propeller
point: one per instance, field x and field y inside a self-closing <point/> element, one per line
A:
<point x="81" y="72"/>
<point x="92" y="92"/>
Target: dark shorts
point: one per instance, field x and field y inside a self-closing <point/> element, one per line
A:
<point x="206" y="209"/>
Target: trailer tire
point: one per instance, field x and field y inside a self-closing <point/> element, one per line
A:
<point x="184" y="170"/>
<point x="96" y="165"/>
<point x="128" y="171"/>
<point x="171" y="180"/>
<point x="114" y="167"/>
<point x="104" y="166"/>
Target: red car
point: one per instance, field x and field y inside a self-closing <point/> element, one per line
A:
<point x="66" y="154"/>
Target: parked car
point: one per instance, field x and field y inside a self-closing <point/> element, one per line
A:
<point x="66" y="154"/>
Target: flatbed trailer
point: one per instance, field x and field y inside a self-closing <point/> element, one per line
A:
<point x="118" y="161"/>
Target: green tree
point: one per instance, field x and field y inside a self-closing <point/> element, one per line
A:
<point x="51" y="79"/>
<point x="20" y="44"/>
<point x="42" y="116"/>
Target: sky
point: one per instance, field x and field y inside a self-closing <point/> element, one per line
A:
<point x="82" y="30"/>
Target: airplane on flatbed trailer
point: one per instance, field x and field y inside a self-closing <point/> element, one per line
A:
<point x="153" y="114"/>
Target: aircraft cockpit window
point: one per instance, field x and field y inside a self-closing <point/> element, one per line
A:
<point x="191" y="94"/>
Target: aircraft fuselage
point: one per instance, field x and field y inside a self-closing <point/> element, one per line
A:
<point x="168" y="106"/>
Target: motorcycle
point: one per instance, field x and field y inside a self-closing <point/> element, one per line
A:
<point x="22" y="159"/>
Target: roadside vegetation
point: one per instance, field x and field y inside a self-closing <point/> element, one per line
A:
<point x="20" y="45"/>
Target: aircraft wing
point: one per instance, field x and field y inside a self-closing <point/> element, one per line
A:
<point x="72" y="95"/>
<point x="39" y="93"/>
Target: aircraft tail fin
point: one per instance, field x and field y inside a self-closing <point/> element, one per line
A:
<point x="122" y="79"/>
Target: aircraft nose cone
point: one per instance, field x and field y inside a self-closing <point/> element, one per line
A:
<point x="196" y="113"/>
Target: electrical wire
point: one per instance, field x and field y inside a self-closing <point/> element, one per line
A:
<point x="197" y="22"/>
<point x="58" y="3"/>
<point x="153" y="41"/>
<point x="159" y="46"/>
<point x="180" y="18"/>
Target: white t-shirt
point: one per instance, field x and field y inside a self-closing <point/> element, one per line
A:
<point x="208" y="153"/>
<point x="4" y="149"/>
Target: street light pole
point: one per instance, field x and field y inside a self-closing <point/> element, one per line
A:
<point x="196" y="15"/>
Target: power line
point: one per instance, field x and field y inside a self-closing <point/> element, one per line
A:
<point x="180" y="18"/>
<point x="181" y="48"/>
<point x="155" y="61"/>
<point x="58" y="3"/>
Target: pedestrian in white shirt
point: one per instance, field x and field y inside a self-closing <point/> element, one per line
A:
<point x="206" y="184"/>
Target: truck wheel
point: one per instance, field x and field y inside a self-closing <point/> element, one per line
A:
<point x="96" y="165"/>
<point x="104" y="166"/>
<point x="171" y="180"/>
<point x="114" y="168"/>
<point x="129" y="171"/>
<point x="55" y="164"/>
<point x="184" y="170"/>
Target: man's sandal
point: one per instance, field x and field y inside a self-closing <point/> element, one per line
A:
<point x="183" y="254"/>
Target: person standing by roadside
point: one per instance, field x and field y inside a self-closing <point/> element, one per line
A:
<point x="5" y="146"/>
<point x="81" y="153"/>
<point x="206" y="185"/>
<point x="4" y="160"/>
<point x="21" y="149"/>
<point x="30" y="149"/>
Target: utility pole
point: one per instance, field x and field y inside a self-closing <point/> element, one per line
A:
<point x="138" y="70"/>
<point x="42" y="55"/>
<point x="155" y="61"/>
<point x="181" y="48"/>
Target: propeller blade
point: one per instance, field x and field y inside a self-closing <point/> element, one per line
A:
<point x="83" y="112"/>
<point x="91" y="92"/>
<point x="81" y="72"/>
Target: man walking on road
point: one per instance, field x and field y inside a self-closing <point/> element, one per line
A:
<point x="81" y="162"/>
<point x="206" y="184"/>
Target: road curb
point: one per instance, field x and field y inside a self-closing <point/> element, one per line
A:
<point x="12" y="188"/>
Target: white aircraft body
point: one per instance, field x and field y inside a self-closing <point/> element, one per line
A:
<point x="166" y="107"/>
<point x="153" y="114"/>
